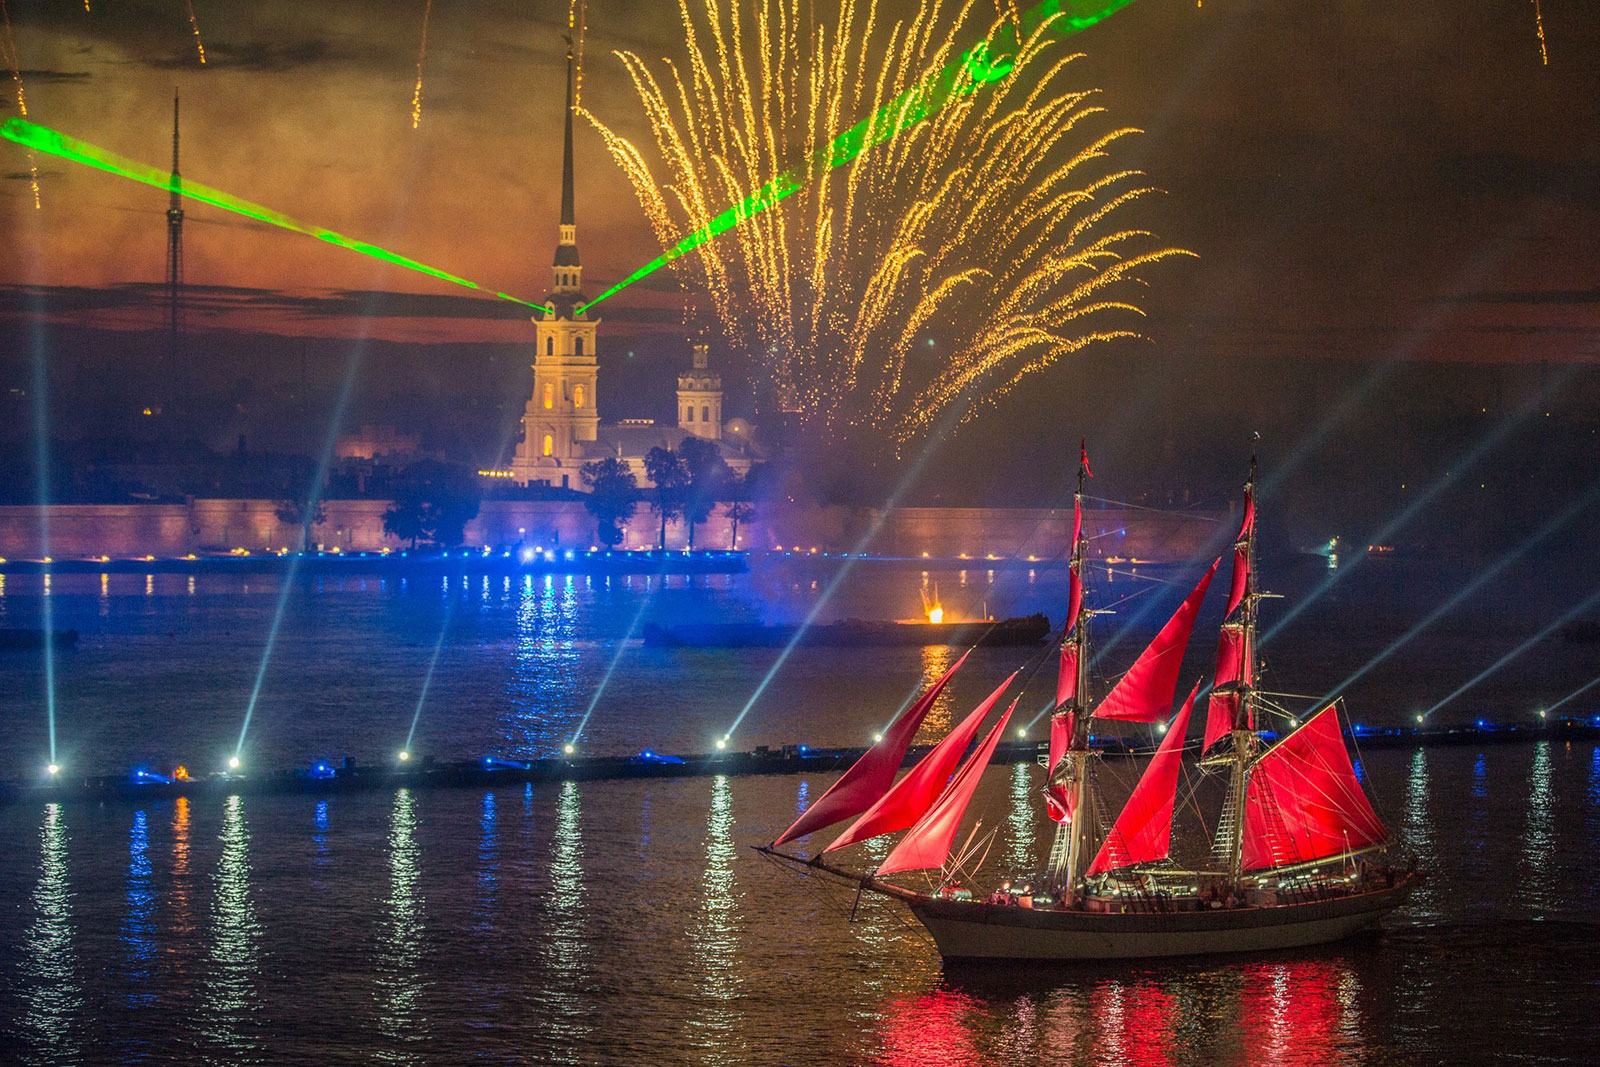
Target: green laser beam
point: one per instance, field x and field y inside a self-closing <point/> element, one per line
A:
<point x="43" y="139"/>
<point x="985" y="62"/>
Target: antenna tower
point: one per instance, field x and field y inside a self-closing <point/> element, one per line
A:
<point x="174" y="308"/>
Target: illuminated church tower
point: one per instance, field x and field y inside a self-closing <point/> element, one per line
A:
<point x="700" y="398"/>
<point x="561" y="413"/>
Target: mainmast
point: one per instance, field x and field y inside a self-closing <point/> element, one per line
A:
<point x="1069" y="779"/>
<point x="1239" y="692"/>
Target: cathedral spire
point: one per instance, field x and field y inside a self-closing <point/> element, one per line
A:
<point x="566" y="155"/>
<point x="568" y="270"/>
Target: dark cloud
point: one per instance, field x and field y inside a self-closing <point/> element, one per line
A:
<point x="264" y="57"/>
<point x="1511" y="174"/>
<point x="215" y="299"/>
<point x="1545" y="296"/>
<point x="51" y="76"/>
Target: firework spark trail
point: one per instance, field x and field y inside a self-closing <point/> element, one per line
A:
<point x="422" y="54"/>
<point x="22" y="101"/>
<point x="1538" y="22"/>
<point x="33" y="136"/>
<point x="1065" y="17"/>
<point x="577" y="30"/>
<point x="194" y="24"/>
<point x="942" y="206"/>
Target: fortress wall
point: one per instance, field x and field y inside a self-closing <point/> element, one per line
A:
<point x="209" y="525"/>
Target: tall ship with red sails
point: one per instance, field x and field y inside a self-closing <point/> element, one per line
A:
<point x="1298" y="856"/>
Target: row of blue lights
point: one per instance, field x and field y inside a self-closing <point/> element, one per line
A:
<point x="322" y="769"/>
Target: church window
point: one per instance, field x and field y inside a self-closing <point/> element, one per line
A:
<point x="688" y="413"/>
<point x="549" y="445"/>
<point x="549" y="346"/>
<point x="549" y="397"/>
<point x="577" y="396"/>
<point x="577" y="347"/>
<point x="705" y="412"/>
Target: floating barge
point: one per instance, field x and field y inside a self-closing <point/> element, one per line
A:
<point x="852" y="633"/>
<point x="350" y="777"/>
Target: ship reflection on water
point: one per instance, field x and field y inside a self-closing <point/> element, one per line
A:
<point x="1299" y="1010"/>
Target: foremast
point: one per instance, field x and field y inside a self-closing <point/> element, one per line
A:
<point x="1069" y="788"/>
<point x="1234" y="695"/>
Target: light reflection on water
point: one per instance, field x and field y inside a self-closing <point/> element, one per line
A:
<point x="566" y="947"/>
<point x="138" y="926"/>
<point x="231" y="997"/>
<point x="48" y="962"/>
<point x="319" y="835"/>
<point x="1416" y="827"/>
<point x="1022" y="818"/>
<point x="543" y="705"/>
<point x="936" y="659"/>
<point x="1538" y="837"/>
<point x="400" y="984"/>
<point x="715" y="937"/>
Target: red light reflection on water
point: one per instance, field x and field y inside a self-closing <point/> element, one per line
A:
<point x="1275" y="1013"/>
<point x="934" y="1028"/>
<point x="1295" y="1012"/>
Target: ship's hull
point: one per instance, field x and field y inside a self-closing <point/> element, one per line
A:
<point x="973" y="930"/>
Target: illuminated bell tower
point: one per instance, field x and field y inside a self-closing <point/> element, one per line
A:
<point x="561" y="414"/>
<point x="700" y="397"/>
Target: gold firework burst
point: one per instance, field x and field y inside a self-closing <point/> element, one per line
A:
<point x="978" y="211"/>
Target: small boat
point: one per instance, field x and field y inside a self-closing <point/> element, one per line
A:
<point x="1298" y="856"/>
<point x="1021" y="630"/>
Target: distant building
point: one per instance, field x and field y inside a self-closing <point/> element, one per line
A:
<point x="561" y="428"/>
<point x="378" y="442"/>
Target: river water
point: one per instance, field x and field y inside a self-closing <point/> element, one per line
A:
<point x="628" y="922"/>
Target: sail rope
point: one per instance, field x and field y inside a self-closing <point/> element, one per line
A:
<point x="1159" y="511"/>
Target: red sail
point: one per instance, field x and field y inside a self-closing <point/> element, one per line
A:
<point x="1241" y="554"/>
<point x="1067" y="679"/>
<point x="1145" y="693"/>
<point x="1059" y="800"/>
<point x="1230" y="657"/>
<point x="911" y="796"/>
<point x="1219" y="717"/>
<point x="1074" y="577"/>
<point x="1304" y="803"/>
<point x="1143" y="832"/>
<point x="928" y="843"/>
<point x="870" y="776"/>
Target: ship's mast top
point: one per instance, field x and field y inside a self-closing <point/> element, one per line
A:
<point x="1245" y="743"/>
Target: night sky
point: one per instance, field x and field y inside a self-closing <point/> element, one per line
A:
<point x="1362" y="182"/>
